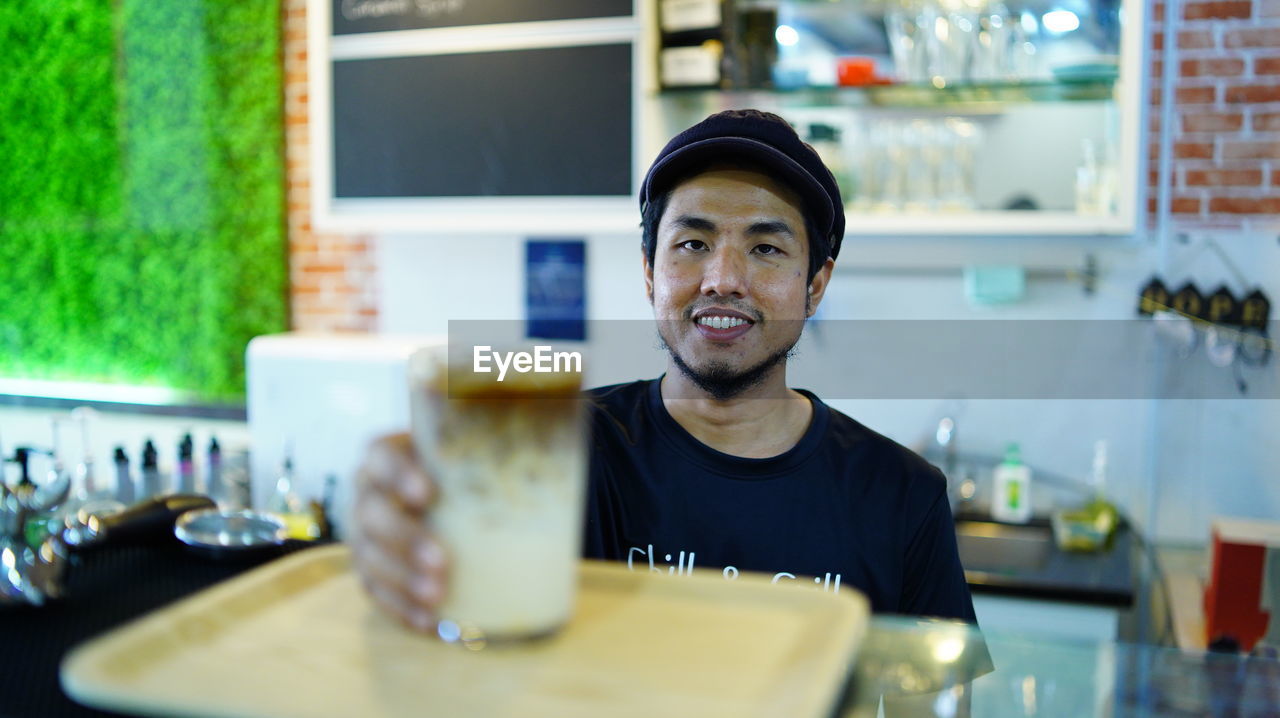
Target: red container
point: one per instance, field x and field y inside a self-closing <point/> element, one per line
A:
<point x="1233" y="599"/>
<point x="856" y="71"/>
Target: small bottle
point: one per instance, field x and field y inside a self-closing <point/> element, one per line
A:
<point x="213" y="471"/>
<point x="124" y="480"/>
<point x="86" y="478"/>
<point x="325" y="514"/>
<point x="1012" y="500"/>
<point x="298" y="519"/>
<point x="233" y="476"/>
<point x="1102" y="512"/>
<point x="22" y="457"/>
<point x="150" y="471"/>
<point x="186" y="465"/>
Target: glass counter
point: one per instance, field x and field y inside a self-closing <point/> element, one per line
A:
<point x="935" y="668"/>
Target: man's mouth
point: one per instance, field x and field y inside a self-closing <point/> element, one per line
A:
<point x="722" y="324"/>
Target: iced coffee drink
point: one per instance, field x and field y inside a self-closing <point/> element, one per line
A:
<point x="509" y="460"/>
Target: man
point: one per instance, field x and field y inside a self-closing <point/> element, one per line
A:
<point x="718" y="458"/>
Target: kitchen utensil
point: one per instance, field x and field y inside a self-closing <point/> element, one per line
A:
<point x="229" y="534"/>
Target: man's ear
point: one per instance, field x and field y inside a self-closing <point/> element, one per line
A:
<point x="648" y="276"/>
<point x="818" y="287"/>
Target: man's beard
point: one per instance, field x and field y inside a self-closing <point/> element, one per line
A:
<point x="720" y="380"/>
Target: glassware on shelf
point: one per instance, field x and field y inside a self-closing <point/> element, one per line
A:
<point x="906" y="40"/>
<point x="948" y="42"/>
<point x="918" y="166"/>
<point x="826" y="141"/>
<point x="955" y="180"/>
<point x="917" y="170"/>
<point x="1024" y="57"/>
<point x="862" y="164"/>
<point x="955" y="30"/>
<point x="992" y="49"/>
<point x="1095" y="182"/>
<point x="890" y="166"/>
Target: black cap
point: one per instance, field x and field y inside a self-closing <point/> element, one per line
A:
<point x="766" y="139"/>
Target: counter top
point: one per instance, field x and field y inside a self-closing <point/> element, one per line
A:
<point x="105" y="588"/>
<point x="941" y="668"/>
<point x="1103" y="578"/>
<point x="939" y="662"/>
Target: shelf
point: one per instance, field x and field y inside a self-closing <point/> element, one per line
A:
<point x="983" y="224"/>
<point x="1008" y="92"/>
<point x="911" y="95"/>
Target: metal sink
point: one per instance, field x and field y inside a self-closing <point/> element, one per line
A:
<point x="991" y="546"/>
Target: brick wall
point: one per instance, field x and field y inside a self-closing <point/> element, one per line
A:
<point x="1226" y="115"/>
<point x="332" y="278"/>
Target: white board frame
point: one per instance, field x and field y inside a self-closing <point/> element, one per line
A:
<point x="453" y="215"/>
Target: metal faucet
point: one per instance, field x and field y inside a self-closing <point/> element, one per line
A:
<point x="35" y="576"/>
<point x="964" y="490"/>
<point x="30" y="576"/>
<point x="946" y="438"/>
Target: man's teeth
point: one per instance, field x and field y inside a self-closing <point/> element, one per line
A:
<point x="721" y="322"/>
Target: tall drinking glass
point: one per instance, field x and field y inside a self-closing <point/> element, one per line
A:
<point x="509" y="461"/>
<point x="907" y="40"/>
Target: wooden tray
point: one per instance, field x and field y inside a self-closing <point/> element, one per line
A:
<point x="298" y="637"/>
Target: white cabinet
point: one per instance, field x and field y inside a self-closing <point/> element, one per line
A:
<point x="1035" y="617"/>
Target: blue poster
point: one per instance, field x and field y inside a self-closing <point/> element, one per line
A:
<point x="556" y="289"/>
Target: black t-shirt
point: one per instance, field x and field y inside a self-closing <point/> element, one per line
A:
<point x="845" y="506"/>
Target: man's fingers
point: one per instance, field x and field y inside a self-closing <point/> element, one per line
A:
<point x="399" y="550"/>
<point x="402" y="565"/>
<point x="383" y="522"/>
<point x="418" y="587"/>
<point x="401" y="534"/>
<point x="391" y="467"/>
<point x="380" y="573"/>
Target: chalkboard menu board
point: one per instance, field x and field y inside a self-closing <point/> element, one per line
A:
<point x="353" y="16"/>
<point x="533" y="122"/>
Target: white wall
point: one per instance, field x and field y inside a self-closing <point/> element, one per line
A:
<point x="426" y="281"/>
<point x="1189" y="460"/>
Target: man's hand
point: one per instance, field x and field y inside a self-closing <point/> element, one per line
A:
<point x="401" y="563"/>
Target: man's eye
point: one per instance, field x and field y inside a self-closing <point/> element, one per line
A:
<point x="696" y="245"/>
<point x="767" y="249"/>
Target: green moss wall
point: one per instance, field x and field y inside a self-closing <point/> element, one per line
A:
<point x="142" y="230"/>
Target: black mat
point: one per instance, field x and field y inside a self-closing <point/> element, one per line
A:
<point x="105" y="589"/>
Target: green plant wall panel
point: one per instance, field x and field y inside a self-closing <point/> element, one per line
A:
<point x="142" y="229"/>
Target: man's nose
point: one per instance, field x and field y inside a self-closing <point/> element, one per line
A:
<point x="725" y="273"/>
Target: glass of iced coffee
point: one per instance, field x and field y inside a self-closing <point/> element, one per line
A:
<point x="509" y="461"/>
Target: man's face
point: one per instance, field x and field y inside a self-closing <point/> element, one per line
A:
<point x="728" y="280"/>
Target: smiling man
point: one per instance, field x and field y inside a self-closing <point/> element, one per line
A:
<point x="718" y="463"/>
<point x="731" y="248"/>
